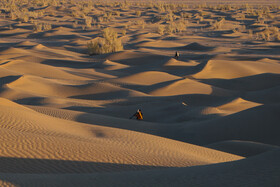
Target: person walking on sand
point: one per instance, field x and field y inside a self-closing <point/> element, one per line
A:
<point x="177" y="55"/>
<point x="138" y="114"/>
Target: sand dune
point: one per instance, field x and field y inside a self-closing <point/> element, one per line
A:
<point x="238" y="126"/>
<point x="242" y="148"/>
<point x="196" y="47"/>
<point x="186" y="86"/>
<point x="235" y="69"/>
<point x="248" y="171"/>
<point x="148" y="78"/>
<point x="44" y="137"/>
<point x="211" y="116"/>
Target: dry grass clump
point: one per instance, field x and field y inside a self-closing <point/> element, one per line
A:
<point x="218" y="24"/>
<point x="24" y="15"/>
<point x="141" y="23"/>
<point x="269" y="34"/>
<point x="168" y="17"/>
<point x="88" y="21"/>
<point x="185" y="15"/>
<point x="124" y="32"/>
<point x="39" y="27"/>
<point x="107" y="44"/>
<point x="161" y="29"/>
<point x="138" y="13"/>
<point x="172" y="27"/>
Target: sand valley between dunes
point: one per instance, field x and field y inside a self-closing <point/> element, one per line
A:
<point x="211" y="116"/>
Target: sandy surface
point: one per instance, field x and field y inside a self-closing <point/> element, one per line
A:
<point x="211" y="117"/>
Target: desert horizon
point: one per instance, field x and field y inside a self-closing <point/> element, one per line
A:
<point x="139" y="93"/>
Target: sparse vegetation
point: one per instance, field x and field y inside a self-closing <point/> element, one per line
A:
<point x="160" y="29"/>
<point x="107" y="44"/>
<point x="168" y="18"/>
<point x="218" y="24"/>
<point x="88" y="21"/>
<point x="39" y="27"/>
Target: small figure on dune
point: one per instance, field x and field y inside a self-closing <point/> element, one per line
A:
<point x="138" y="114"/>
<point x="177" y="55"/>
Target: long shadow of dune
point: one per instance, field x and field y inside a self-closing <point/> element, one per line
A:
<point x="104" y="96"/>
<point x="12" y="34"/>
<point x="28" y="165"/>
<point x="37" y="101"/>
<point x="67" y="63"/>
<point x="258" y="124"/>
<point x="251" y="58"/>
<point x="249" y="83"/>
<point x="264" y="51"/>
<point x="77" y="50"/>
<point x="190" y="47"/>
<point x="170" y="105"/>
<point x="8" y="79"/>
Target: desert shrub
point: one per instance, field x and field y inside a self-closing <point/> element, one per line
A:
<point x="88" y="21"/>
<point x="170" y="28"/>
<point x="116" y="13"/>
<point x="161" y="29"/>
<point x="138" y="13"/>
<point x="181" y="26"/>
<point x="270" y="34"/>
<point x="75" y="14"/>
<point x="185" y="15"/>
<point x="127" y="25"/>
<point x="107" y="44"/>
<point x="218" y="24"/>
<point x="24" y="18"/>
<point x="141" y="22"/>
<point x="124" y="32"/>
<point x="13" y="15"/>
<point x="39" y="27"/>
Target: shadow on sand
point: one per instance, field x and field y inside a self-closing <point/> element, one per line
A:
<point x="28" y="165"/>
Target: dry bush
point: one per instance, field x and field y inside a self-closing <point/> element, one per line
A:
<point x="185" y="15"/>
<point x="124" y="32"/>
<point x="160" y="29"/>
<point x="39" y="27"/>
<point x="170" y="28"/>
<point x="116" y="13"/>
<point x="141" y="22"/>
<point x="88" y="21"/>
<point x="260" y="20"/>
<point x="138" y="13"/>
<point x="181" y="26"/>
<point x="107" y="44"/>
<point x="218" y="24"/>
<point x="269" y="34"/>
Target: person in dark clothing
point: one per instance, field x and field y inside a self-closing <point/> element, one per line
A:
<point x="177" y="55"/>
<point x="138" y="114"/>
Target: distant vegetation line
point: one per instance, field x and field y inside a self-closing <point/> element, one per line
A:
<point x="255" y="2"/>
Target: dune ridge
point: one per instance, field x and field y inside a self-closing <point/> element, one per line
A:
<point x="211" y="114"/>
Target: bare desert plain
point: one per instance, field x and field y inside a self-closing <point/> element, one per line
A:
<point x="72" y="73"/>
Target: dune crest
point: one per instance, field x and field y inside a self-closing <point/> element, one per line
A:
<point x="103" y="93"/>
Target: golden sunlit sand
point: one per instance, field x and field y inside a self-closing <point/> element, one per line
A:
<point x="72" y="73"/>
